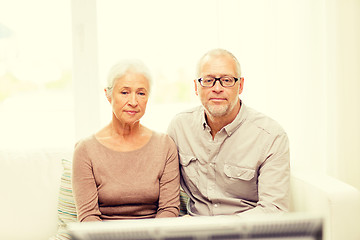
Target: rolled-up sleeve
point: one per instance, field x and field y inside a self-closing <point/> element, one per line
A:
<point x="274" y="178"/>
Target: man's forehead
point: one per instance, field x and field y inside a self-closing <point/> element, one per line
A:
<point x="218" y="64"/>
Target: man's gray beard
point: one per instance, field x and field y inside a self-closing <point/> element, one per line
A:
<point x="217" y="111"/>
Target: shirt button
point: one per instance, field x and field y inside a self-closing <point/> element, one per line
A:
<point x="216" y="205"/>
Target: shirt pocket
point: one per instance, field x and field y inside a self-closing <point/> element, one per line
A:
<point x="190" y="170"/>
<point x="236" y="172"/>
<point x="190" y="165"/>
<point x="185" y="160"/>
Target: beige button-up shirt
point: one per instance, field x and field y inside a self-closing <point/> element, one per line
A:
<point x="244" y="169"/>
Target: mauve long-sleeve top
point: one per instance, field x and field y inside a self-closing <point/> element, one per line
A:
<point x="143" y="183"/>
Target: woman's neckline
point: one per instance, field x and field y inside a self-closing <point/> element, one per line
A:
<point x="120" y="151"/>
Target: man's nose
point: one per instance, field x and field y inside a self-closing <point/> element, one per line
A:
<point x="217" y="87"/>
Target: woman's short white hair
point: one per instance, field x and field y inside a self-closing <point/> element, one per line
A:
<point x="121" y="68"/>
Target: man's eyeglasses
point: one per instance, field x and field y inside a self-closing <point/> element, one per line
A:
<point x="224" y="81"/>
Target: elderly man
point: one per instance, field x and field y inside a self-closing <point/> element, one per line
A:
<point x="233" y="159"/>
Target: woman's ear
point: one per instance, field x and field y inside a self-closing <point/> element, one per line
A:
<point x="107" y="94"/>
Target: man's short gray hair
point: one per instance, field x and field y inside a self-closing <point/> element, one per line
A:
<point x="219" y="52"/>
<point x="120" y="69"/>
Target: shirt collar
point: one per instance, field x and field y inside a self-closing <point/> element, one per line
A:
<point x="238" y="121"/>
<point x="231" y="127"/>
<point x="203" y="118"/>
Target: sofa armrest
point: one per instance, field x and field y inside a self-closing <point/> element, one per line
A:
<point x="30" y="190"/>
<point x="336" y="201"/>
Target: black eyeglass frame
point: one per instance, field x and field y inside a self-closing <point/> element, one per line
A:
<point x="217" y="79"/>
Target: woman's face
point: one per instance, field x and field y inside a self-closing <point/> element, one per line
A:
<point x="129" y="97"/>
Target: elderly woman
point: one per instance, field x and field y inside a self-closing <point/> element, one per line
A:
<point x="125" y="170"/>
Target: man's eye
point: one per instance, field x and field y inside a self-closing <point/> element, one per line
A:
<point x="208" y="80"/>
<point x="227" y="79"/>
<point x="141" y="93"/>
<point x="124" y="92"/>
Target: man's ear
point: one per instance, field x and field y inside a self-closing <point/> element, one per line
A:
<point x="196" y="88"/>
<point x="241" y="85"/>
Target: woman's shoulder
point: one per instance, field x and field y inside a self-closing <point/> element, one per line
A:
<point x="160" y="136"/>
<point x="163" y="139"/>
<point x="84" y="143"/>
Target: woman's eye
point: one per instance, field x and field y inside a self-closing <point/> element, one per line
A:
<point x="141" y="94"/>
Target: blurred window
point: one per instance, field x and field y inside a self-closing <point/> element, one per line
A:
<point x="36" y="96"/>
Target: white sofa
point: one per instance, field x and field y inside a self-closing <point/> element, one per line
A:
<point x="30" y="181"/>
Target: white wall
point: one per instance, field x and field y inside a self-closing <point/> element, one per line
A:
<point x="346" y="164"/>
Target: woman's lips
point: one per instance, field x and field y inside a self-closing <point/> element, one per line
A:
<point x="131" y="112"/>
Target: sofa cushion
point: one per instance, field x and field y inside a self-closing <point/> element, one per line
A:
<point x="184" y="198"/>
<point x="66" y="205"/>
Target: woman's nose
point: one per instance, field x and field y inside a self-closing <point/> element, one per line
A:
<point x="133" y="100"/>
